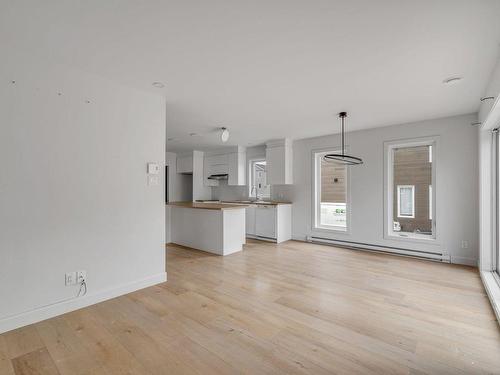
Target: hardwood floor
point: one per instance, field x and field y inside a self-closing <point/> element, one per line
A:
<point x="293" y="308"/>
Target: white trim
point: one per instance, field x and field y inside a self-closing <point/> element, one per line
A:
<point x="412" y="187"/>
<point x="492" y="290"/>
<point x="389" y="146"/>
<point x="316" y="201"/>
<point x="430" y="201"/>
<point x="466" y="261"/>
<point x="50" y="311"/>
<point x="487" y="200"/>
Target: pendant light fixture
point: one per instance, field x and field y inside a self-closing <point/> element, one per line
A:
<point x="342" y="158"/>
<point x="224" y="134"/>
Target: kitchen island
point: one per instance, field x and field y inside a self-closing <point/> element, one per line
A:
<point x="218" y="228"/>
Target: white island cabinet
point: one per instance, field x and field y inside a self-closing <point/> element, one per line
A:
<point x="213" y="227"/>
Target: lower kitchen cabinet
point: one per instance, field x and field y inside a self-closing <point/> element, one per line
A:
<point x="269" y="222"/>
<point x="250" y="220"/>
<point x="265" y="221"/>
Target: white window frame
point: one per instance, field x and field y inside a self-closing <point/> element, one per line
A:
<point x="251" y="177"/>
<point x="389" y="219"/>
<point x="430" y="202"/>
<point x="316" y="195"/>
<point x="412" y="187"/>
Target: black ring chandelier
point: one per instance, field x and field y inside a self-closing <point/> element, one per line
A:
<point x="343" y="158"/>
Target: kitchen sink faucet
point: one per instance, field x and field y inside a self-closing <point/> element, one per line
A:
<point x="254" y="187"/>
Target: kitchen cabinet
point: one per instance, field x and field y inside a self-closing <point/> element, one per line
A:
<point x="269" y="222"/>
<point x="279" y="162"/>
<point x="237" y="168"/>
<point x="265" y="221"/>
<point x="185" y="164"/>
<point x="231" y="162"/>
<point x="250" y="220"/>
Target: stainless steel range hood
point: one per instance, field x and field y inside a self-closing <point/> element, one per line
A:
<point x="218" y="176"/>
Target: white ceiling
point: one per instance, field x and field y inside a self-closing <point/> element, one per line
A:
<point x="272" y="69"/>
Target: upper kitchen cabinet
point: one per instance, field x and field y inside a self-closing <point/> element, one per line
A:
<point x="279" y="162"/>
<point x="237" y="163"/>
<point x="225" y="165"/>
<point x="185" y="163"/>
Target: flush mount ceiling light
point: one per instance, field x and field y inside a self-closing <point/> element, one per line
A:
<point x="452" y="80"/>
<point x="224" y="134"/>
<point x="158" y="85"/>
<point x="342" y="158"/>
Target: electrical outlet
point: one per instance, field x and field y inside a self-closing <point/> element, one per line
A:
<point x="81" y="276"/>
<point x="70" y="278"/>
<point x="465" y="244"/>
<point x="153" y="180"/>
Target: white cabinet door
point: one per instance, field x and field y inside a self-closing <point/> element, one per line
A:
<point x="185" y="164"/>
<point x="250" y="220"/>
<point x="207" y="171"/>
<point x="275" y="165"/>
<point x="279" y="162"/>
<point x="219" y="169"/>
<point x="265" y="221"/>
<point x="236" y="162"/>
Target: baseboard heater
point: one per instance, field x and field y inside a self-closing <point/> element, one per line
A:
<point x="262" y="238"/>
<point x="436" y="256"/>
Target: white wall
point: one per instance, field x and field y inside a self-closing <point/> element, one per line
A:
<point x="73" y="190"/>
<point x="456" y="187"/>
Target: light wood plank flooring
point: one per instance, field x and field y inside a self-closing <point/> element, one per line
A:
<point x="293" y="308"/>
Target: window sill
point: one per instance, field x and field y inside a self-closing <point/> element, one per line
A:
<point x="412" y="238"/>
<point x="493" y="290"/>
<point x="331" y="229"/>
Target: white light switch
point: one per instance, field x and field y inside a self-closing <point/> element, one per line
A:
<point x="153" y="168"/>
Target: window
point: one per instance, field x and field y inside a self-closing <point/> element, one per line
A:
<point x="496" y="179"/>
<point x="406" y="201"/>
<point x="330" y="194"/>
<point x="410" y="189"/>
<point x="258" y="187"/>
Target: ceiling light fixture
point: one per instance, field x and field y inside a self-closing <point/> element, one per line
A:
<point x="158" y="85"/>
<point x="452" y="80"/>
<point x="224" y="134"/>
<point x="343" y="158"/>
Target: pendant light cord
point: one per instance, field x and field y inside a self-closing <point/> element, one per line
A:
<point x="342" y="116"/>
<point x="343" y="146"/>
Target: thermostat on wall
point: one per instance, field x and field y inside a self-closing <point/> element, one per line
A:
<point x="153" y="168"/>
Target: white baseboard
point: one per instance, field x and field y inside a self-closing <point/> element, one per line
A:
<point x="46" y="312"/>
<point x="463" y="260"/>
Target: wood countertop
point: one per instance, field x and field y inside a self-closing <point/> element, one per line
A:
<point x="260" y="203"/>
<point x="207" y="206"/>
